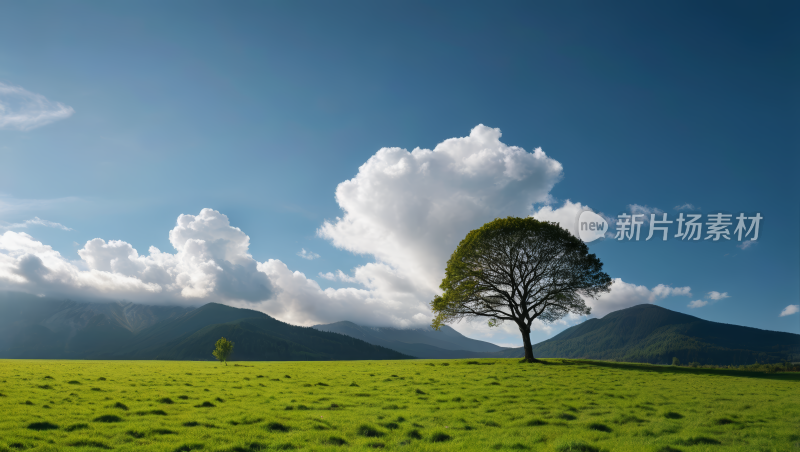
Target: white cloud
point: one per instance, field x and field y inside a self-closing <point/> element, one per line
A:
<point x="624" y="295"/>
<point x="647" y="211"/>
<point x="746" y="244"/>
<point x="211" y="264"/>
<point x="686" y="206"/>
<point x="409" y="210"/>
<point x="301" y="300"/>
<point x="23" y="110"/>
<point x="307" y="254"/>
<point x="791" y="309"/>
<point x="36" y="221"/>
<point x="567" y="216"/>
<point x="711" y="298"/>
<point x="697" y="304"/>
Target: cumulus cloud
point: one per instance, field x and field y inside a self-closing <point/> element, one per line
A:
<point x="211" y="263"/>
<point x="36" y="221"/>
<point x="624" y="295"/>
<point x="791" y="309"/>
<point x="409" y="210"/>
<point x="567" y="216"/>
<point x="23" y="110"/>
<point x="307" y="254"/>
<point x="301" y="300"/>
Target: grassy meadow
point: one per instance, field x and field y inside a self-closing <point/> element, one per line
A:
<point x="413" y="405"/>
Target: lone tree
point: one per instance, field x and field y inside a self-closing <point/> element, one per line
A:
<point x="519" y="270"/>
<point x="223" y="350"/>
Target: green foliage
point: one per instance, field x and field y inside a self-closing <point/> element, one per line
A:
<point x="223" y="350"/>
<point x="646" y="408"/>
<point x="518" y="270"/>
<point x="676" y="362"/>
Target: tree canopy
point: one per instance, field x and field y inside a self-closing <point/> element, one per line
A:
<point x="223" y="350"/>
<point x="519" y="270"/>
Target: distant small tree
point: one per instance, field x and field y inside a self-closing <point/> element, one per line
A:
<point x="676" y="361"/>
<point x="223" y="350"/>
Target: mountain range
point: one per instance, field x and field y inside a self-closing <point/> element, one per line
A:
<point x="43" y="327"/>
<point x="648" y="333"/>
<point x="418" y="342"/>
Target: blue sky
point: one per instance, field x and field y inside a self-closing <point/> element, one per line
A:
<point x="260" y="110"/>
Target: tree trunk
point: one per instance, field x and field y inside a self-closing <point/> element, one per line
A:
<point x="526" y="340"/>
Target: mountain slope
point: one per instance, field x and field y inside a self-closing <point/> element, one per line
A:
<point x="267" y="339"/>
<point x="418" y="342"/>
<point x="41" y="327"/>
<point x="652" y="334"/>
<point x="44" y="327"/>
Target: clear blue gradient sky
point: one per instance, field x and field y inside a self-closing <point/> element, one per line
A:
<point x="259" y="110"/>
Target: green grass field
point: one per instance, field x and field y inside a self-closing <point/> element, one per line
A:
<point x="396" y="405"/>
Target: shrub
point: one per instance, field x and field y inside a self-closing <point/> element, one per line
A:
<point x="676" y="362"/>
